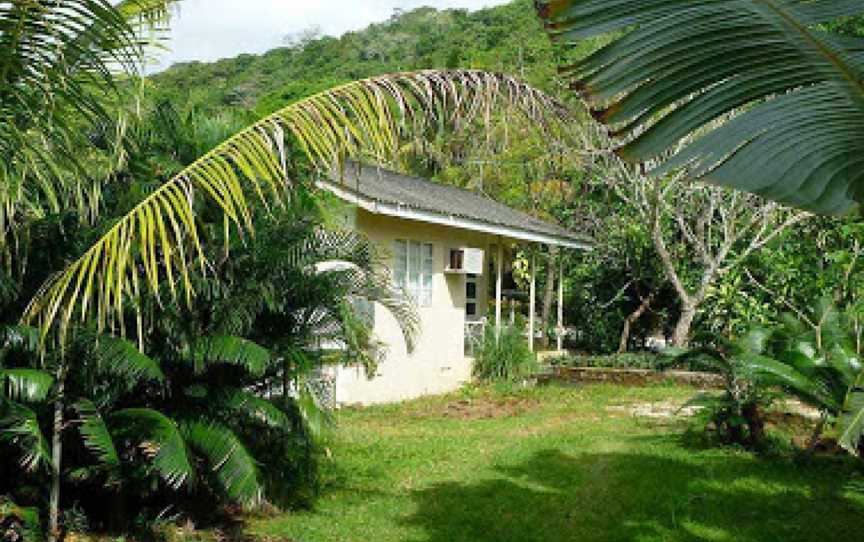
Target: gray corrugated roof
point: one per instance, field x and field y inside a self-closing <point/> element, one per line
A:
<point x="385" y="186"/>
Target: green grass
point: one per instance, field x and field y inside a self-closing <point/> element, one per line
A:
<point x="555" y="464"/>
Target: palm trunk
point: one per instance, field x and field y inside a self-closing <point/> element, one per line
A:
<point x="630" y="320"/>
<point x="56" y="457"/>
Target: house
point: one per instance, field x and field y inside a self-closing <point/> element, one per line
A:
<point x="448" y="248"/>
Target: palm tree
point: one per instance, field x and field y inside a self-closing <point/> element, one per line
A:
<point x="758" y="96"/>
<point x="223" y="386"/>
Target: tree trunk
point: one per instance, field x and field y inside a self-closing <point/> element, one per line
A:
<point x="755" y="424"/>
<point x="631" y="319"/>
<point x="681" y="337"/>
<point x="56" y="455"/>
<point x="548" y="295"/>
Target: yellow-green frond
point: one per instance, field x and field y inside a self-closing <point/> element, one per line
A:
<point x="159" y="239"/>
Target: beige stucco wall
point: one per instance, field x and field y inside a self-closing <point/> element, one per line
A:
<point x="438" y="363"/>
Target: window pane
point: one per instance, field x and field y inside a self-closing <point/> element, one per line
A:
<point x="471" y="290"/>
<point x="471" y="309"/>
<point x="400" y="263"/>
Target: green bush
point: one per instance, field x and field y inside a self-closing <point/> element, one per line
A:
<point x="506" y="357"/>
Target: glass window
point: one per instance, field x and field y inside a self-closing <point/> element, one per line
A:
<point x="413" y="268"/>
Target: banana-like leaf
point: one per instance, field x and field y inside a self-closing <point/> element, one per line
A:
<point x="233" y="465"/>
<point x="159" y="239"/>
<point x="159" y="438"/>
<point x="231" y="350"/>
<point x="250" y="405"/>
<point x="20" y="426"/>
<point x="97" y="437"/>
<point x="851" y="420"/>
<point x="763" y="99"/>
<point x="120" y="357"/>
<point x="25" y="385"/>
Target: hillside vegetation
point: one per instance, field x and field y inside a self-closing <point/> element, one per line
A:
<point x="505" y="38"/>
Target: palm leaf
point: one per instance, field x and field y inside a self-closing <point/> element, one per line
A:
<point x="233" y="465"/>
<point x="159" y="438"/>
<point x="20" y="427"/>
<point x="121" y="358"/>
<point x="97" y="438"/>
<point x="765" y="101"/>
<point x="25" y="385"/>
<point x="314" y="416"/>
<point x="232" y="351"/>
<point x="776" y="373"/>
<point x="850" y="423"/>
<point x="159" y="239"/>
<point x="256" y="408"/>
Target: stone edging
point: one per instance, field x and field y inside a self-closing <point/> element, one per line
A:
<point x="631" y="377"/>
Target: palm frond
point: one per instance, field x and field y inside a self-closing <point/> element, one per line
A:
<point x="159" y="239"/>
<point x="254" y="407"/>
<point x="159" y="438"/>
<point x="353" y="257"/>
<point x="231" y="351"/>
<point x="850" y="423"/>
<point x="25" y="385"/>
<point x="97" y="438"/>
<point x="315" y="417"/>
<point x="777" y="373"/>
<point x="759" y="96"/>
<point x="120" y="357"/>
<point x="20" y="427"/>
<point x="233" y="465"/>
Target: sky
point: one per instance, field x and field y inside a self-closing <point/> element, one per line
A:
<point x="208" y="30"/>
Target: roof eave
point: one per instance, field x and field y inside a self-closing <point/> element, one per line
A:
<point x="432" y="217"/>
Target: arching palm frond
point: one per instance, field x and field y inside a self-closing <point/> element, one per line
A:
<point x="159" y="438"/>
<point x="851" y="420"/>
<point x="159" y="239"/>
<point x="120" y="357"/>
<point x="253" y="407"/>
<point x="231" y="351"/>
<point x="97" y="438"/>
<point x="25" y="385"/>
<point x="233" y="465"/>
<point x="768" y="101"/>
<point x="314" y="415"/>
<point x="20" y="427"/>
<point x="354" y="258"/>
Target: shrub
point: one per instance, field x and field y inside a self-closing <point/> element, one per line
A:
<point x="505" y="356"/>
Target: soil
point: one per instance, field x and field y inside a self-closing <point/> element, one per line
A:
<point x="480" y="409"/>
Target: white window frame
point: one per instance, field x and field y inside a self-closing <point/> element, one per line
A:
<point x="413" y="269"/>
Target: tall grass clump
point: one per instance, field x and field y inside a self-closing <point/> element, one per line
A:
<point x="504" y="358"/>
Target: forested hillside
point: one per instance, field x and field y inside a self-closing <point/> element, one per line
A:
<point x="505" y="38"/>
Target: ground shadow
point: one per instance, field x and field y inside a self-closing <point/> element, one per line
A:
<point x="556" y="497"/>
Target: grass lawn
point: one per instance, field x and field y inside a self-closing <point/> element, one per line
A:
<point x="554" y="464"/>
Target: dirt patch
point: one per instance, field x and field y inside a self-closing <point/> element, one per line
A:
<point x="485" y="409"/>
